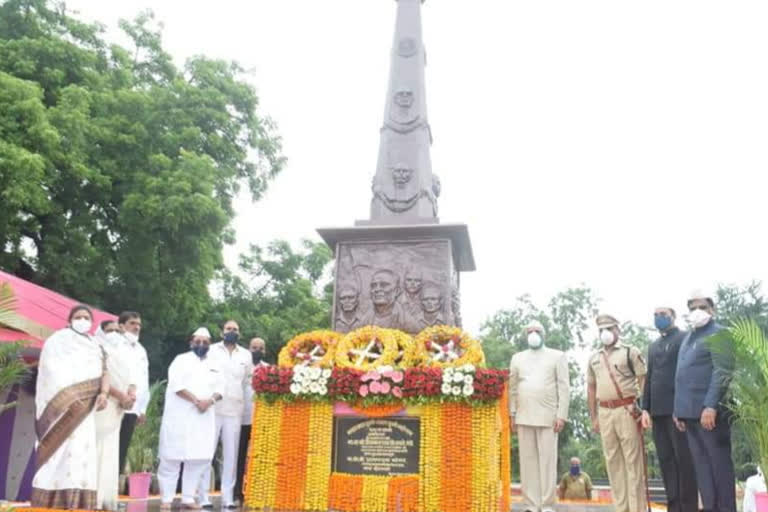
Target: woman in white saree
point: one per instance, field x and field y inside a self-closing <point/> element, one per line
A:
<point x="71" y="383"/>
<point x="122" y="395"/>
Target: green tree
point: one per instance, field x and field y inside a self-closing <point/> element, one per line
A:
<point x="117" y="167"/>
<point x="279" y="292"/>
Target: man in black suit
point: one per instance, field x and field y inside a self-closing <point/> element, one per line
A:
<point x="658" y="403"/>
<point x="701" y="383"/>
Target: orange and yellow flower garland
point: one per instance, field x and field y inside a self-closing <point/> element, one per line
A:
<point x="462" y="465"/>
<point x="504" y="453"/>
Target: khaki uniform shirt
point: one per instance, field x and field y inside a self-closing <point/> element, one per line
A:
<point x="575" y="487"/>
<point x="597" y="373"/>
<point x="539" y="387"/>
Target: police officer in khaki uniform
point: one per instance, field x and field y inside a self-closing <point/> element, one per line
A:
<point x="614" y="380"/>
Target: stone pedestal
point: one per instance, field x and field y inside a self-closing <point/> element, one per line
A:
<point x="404" y="277"/>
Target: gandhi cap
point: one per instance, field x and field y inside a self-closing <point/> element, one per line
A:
<point x="700" y="295"/>
<point x="606" y="321"/>
<point x="202" y="331"/>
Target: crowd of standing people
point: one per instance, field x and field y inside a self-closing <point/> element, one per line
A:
<point x="679" y="391"/>
<point x="93" y="390"/>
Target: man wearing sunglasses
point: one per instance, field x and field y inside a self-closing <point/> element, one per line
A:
<point x="701" y="383"/>
<point x="658" y="402"/>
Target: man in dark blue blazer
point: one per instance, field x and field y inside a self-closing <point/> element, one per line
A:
<point x="701" y="383"/>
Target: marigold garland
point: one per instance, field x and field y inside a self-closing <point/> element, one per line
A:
<point x="351" y="348"/>
<point x="264" y="454"/>
<point x="505" y="452"/>
<point x="345" y="493"/>
<point x="306" y="348"/>
<point x="457" y="445"/>
<point x="431" y="458"/>
<point x="441" y="337"/>
<point x="378" y="410"/>
<point x="410" y="354"/>
<point x="318" y="469"/>
<point x="403" y="494"/>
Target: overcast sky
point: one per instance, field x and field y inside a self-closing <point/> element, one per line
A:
<point x="619" y="144"/>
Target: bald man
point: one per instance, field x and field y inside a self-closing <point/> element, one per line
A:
<point x="576" y="484"/>
<point x="258" y="350"/>
<point x="539" y="397"/>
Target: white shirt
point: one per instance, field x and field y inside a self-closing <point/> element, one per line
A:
<point x="755" y="483"/>
<point x="539" y="387"/>
<point x="235" y="368"/>
<point x="138" y="364"/>
<point x="185" y="432"/>
<point x="248" y="410"/>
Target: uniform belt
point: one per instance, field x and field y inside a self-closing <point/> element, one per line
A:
<point x="615" y="404"/>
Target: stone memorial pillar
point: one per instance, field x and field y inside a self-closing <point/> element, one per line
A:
<point x="400" y="268"/>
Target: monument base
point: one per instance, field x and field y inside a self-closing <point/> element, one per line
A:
<point x="463" y="458"/>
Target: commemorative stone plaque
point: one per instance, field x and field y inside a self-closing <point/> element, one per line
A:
<point x="376" y="446"/>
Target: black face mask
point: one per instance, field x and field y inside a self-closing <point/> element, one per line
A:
<point x="200" y="350"/>
<point x="231" y="337"/>
<point x="256" y="356"/>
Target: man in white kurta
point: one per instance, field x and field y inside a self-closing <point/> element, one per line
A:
<point x="234" y="365"/>
<point x="538" y="407"/>
<point x="188" y="429"/>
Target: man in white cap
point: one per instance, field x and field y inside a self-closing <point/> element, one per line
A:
<point x="234" y="365"/>
<point x="615" y="376"/>
<point x="539" y="396"/>
<point x="188" y="428"/>
<point x="701" y="382"/>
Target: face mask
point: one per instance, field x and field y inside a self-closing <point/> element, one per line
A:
<point x="256" y="356"/>
<point x="534" y="340"/>
<point x="81" y="325"/>
<point x="132" y="337"/>
<point x="575" y="470"/>
<point x="200" y="350"/>
<point x="607" y="337"/>
<point x="662" y="322"/>
<point x="231" y="337"/>
<point x="114" y="338"/>
<point x="699" y="317"/>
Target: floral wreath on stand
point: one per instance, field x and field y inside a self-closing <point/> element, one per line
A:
<point x="315" y="348"/>
<point x="409" y="353"/>
<point x="447" y="346"/>
<point x="367" y="348"/>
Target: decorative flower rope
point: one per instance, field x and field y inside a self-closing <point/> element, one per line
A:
<point x="315" y="348"/>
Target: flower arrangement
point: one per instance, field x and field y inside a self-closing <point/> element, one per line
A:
<point x="315" y="348"/>
<point x="383" y="382"/>
<point x="413" y="386"/>
<point x="367" y="348"/>
<point x="458" y="381"/>
<point x="308" y="380"/>
<point x="450" y="346"/>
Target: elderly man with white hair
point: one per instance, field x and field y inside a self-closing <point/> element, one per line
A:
<point x="188" y="429"/>
<point x="539" y="396"/>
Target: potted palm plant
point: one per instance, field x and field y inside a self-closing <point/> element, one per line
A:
<point x="746" y="342"/>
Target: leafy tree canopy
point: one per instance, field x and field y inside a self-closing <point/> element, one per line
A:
<point x="117" y="167"/>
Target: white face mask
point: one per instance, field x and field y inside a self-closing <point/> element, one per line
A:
<point x="81" y="325"/>
<point x="534" y="340"/>
<point x="133" y="338"/>
<point x="607" y="337"/>
<point x="114" y="338"/>
<point x="699" y="317"/>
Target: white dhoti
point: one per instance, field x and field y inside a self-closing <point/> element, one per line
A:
<point x="228" y="430"/>
<point x="168" y="478"/>
<point x="538" y="466"/>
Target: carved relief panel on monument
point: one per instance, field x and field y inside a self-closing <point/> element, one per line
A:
<point x="404" y="285"/>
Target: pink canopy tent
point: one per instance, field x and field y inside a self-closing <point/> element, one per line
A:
<point x="39" y="313"/>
